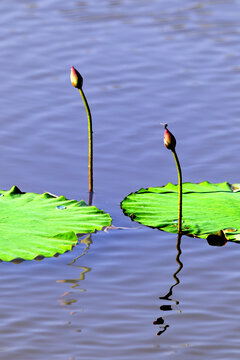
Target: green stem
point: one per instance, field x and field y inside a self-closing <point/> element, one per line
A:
<point x="90" y="132"/>
<point x="179" y="193"/>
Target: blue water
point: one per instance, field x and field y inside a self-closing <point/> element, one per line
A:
<point x="121" y="294"/>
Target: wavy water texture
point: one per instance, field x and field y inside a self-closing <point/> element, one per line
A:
<point x="143" y="63"/>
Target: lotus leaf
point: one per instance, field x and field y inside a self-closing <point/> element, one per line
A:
<point x="35" y="225"/>
<point x="207" y="209"/>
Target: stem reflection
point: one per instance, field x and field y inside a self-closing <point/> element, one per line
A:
<point x="160" y="321"/>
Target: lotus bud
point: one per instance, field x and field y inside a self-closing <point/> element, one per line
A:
<point x="76" y="78"/>
<point x="169" y="139"/>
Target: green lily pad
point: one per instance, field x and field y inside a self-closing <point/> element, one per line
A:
<point x="35" y="225"/>
<point x="207" y="209"/>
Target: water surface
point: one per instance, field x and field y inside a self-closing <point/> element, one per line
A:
<point x="143" y="62"/>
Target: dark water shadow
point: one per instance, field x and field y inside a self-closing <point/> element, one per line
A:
<point x="217" y="239"/>
<point x="160" y="321"/>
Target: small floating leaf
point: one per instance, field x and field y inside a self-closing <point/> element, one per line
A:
<point x="31" y="225"/>
<point x="207" y="209"/>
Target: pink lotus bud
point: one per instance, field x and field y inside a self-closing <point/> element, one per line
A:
<point x="169" y="139"/>
<point x="76" y="78"/>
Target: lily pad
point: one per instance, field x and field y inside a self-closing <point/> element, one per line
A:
<point x="207" y="209"/>
<point x="35" y="225"/>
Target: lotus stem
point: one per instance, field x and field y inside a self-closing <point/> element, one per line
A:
<point x="170" y="143"/>
<point x="90" y="141"/>
<point x="77" y="82"/>
<point x="179" y="171"/>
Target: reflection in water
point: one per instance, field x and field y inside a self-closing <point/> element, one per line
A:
<point x="75" y="282"/>
<point x="87" y="241"/>
<point x="68" y="298"/>
<point x="217" y="239"/>
<point x="90" y="198"/>
<point x="160" y="320"/>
